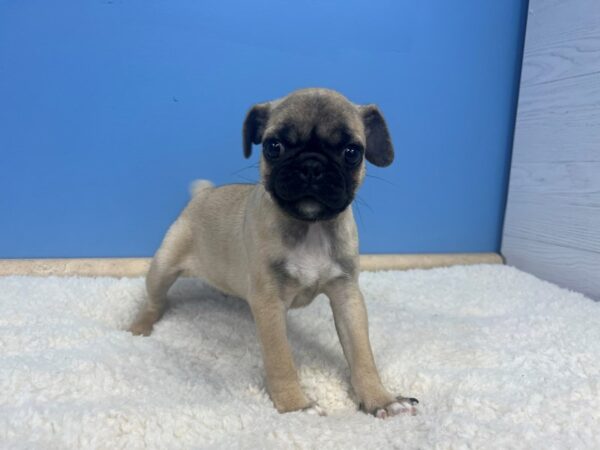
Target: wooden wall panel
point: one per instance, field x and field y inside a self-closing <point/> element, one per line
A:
<point x="552" y="223"/>
<point x="571" y="268"/>
<point x="558" y="121"/>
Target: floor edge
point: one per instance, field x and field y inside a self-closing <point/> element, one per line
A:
<point x="135" y="267"/>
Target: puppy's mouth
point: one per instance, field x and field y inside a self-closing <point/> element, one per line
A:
<point x="310" y="207"/>
<point x="310" y="188"/>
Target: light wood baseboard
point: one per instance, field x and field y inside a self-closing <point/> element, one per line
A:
<point x="371" y="263"/>
<point x="135" y="267"/>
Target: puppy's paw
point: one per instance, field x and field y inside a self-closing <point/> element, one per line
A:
<point x="141" y="329"/>
<point x="290" y="398"/>
<point x="402" y="405"/>
<point x="143" y="324"/>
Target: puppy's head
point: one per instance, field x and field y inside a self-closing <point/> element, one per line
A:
<point x="314" y="144"/>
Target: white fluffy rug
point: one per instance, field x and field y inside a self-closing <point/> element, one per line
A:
<point x="497" y="358"/>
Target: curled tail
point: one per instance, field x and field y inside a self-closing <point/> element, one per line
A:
<point x="198" y="186"/>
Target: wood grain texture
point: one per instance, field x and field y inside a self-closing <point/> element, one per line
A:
<point x="571" y="268"/>
<point x="559" y="121"/>
<point x="577" y="54"/>
<point x="572" y="101"/>
<point x="571" y="177"/>
<point x="552" y="222"/>
<point x="555" y="21"/>
<point x="554" y="219"/>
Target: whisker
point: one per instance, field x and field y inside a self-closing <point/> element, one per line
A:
<point x="251" y="166"/>
<point x="382" y="179"/>
<point x="359" y="213"/>
<point x="250" y="180"/>
<point x="362" y="201"/>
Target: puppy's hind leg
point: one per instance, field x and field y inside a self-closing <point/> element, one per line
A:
<point x="164" y="270"/>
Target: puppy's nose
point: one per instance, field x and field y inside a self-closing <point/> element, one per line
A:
<point x="311" y="170"/>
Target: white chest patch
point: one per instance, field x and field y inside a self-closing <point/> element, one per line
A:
<point x="310" y="262"/>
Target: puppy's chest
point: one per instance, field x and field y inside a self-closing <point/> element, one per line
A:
<point x="310" y="261"/>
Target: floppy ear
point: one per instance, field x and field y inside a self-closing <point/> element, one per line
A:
<point x="379" y="149"/>
<point x="254" y="126"/>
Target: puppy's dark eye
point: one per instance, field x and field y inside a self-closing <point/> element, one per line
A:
<point x="272" y="149"/>
<point x="352" y="154"/>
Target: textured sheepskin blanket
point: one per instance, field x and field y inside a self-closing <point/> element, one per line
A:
<point x="497" y="358"/>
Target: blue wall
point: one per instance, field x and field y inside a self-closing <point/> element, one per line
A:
<point x="108" y="109"/>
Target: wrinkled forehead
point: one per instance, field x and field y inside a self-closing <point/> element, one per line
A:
<point x="334" y="121"/>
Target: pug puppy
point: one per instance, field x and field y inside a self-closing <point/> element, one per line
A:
<point x="281" y="242"/>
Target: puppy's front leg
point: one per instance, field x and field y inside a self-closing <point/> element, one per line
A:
<point x="282" y="378"/>
<point x="350" y="316"/>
